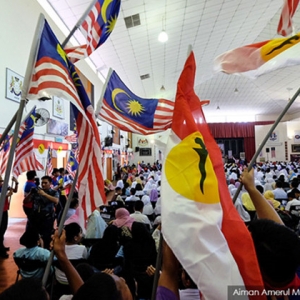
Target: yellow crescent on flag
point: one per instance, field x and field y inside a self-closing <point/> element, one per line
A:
<point x="59" y="149"/>
<point x="183" y="174"/>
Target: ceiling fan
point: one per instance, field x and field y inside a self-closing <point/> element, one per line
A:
<point x="42" y="116"/>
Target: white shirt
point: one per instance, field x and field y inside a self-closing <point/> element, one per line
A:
<point x="291" y="203"/>
<point x="141" y="218"/>
<point x="189" y="294"/>
<point x="132" y="198"/>
<point x="279" y="193"/>
<point x="72" y="252"/>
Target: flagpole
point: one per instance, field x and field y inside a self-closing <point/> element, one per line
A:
<point x="159" y="252"/>
<point x="79" y="22"/>
<point x="9" y="126"/>
<point x="27" y="79"/>
<point x="157" y="267"/>
<point x="60" y="228"/>
<point x="99" y="104"/>
<point x="253" y="160"/>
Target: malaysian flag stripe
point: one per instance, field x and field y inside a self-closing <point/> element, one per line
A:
<point x="125" y="125"/>
<point x="25" y="158"/>
<point x="52" y="76"/>
<point x="96" y="28"/>
<point x="285" y="25"/>
<point x="89" y="145"/>
<point x="107" y="112"/>
<point x="4" y="155"/>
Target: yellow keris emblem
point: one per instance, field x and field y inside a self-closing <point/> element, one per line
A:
<point x="190" y="172"/>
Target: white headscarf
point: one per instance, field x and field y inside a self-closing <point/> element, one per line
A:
<point x="148" y="209"/>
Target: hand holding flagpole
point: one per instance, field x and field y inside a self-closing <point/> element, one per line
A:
<point x="253" y="160"/>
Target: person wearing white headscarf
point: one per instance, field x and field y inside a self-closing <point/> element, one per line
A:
<point x="239" y="206"/>
<point x="95" y="226"/>
<point x="157" y="209"/>
<point x="149" y="186"/>
<point x="268" y="185"/>
<point x="148" y="208"/>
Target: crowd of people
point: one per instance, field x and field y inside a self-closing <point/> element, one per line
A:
<point x="114" y="257"/>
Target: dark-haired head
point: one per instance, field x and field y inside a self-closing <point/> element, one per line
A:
<point x="25" y="289"/>
<point x="30" y="175"/>
<point x="73" y="233"/>
<point x="277" y="248"/>
<point x="99" y="286"/>
<point x="30" y="238"/>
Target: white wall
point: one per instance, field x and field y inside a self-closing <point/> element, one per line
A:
<point x="286" y="132"/>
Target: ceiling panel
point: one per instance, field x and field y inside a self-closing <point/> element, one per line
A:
<point x="211" y="27"/>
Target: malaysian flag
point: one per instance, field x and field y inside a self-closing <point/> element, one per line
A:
<point x="96" y="28"/>
<point x="4" y="154"/>
<point x="25" y="159"/>
<point x="125" y="110"/>
<point x="72" y="164"/>
<point x="285" y="25"/>
<point x="49" y="162"/>
<point x="53" y="72"/>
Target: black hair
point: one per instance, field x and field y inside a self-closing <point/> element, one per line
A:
<point x="118" y="189"/>
<point x="47" y="178"/>
<point x="55" y="170"/>
<point x="132" y="191"/>
<point x="99" y="286"/>
<point x="72" y="230"/>
<point x="295" y="183"/>
<point x="260" y="188"/>
<point x="138" y="187"/>
<point x="85" y="271"/>
<point x="279" y="184"/>
<point x="25" y="289"/>
<point x="61" y="170"/>
<point x="277" y="249"/>
<point x="74" y="203"/>
<point x="30" y="175"/>
<point x="30" y="238"/>
<point x="291" y="194"/>
<point x="138" y="205"/>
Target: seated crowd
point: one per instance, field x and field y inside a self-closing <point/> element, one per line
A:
<point x="116" y="257"/>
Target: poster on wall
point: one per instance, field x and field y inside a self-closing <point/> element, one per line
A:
<point x="58" y="107"/>
<point x="14" y="84"/>
<point x="57" y="127"/>
<point x="274" y="139"/>
<point x="142" y="142"/>
<point x="297" y="137"/>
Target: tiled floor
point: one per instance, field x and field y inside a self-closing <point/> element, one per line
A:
<point x="8" y="269"/>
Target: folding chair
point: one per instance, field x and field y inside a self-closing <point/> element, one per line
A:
<point x="28" y="265"/>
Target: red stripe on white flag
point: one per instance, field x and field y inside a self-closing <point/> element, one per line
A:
<point x="90" y="179"/>
<point x="285" y="25"/>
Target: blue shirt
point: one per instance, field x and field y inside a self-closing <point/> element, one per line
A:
<point x="35" y="253"/>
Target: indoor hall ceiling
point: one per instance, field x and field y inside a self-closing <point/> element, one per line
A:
<point x="211" y="27"/>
